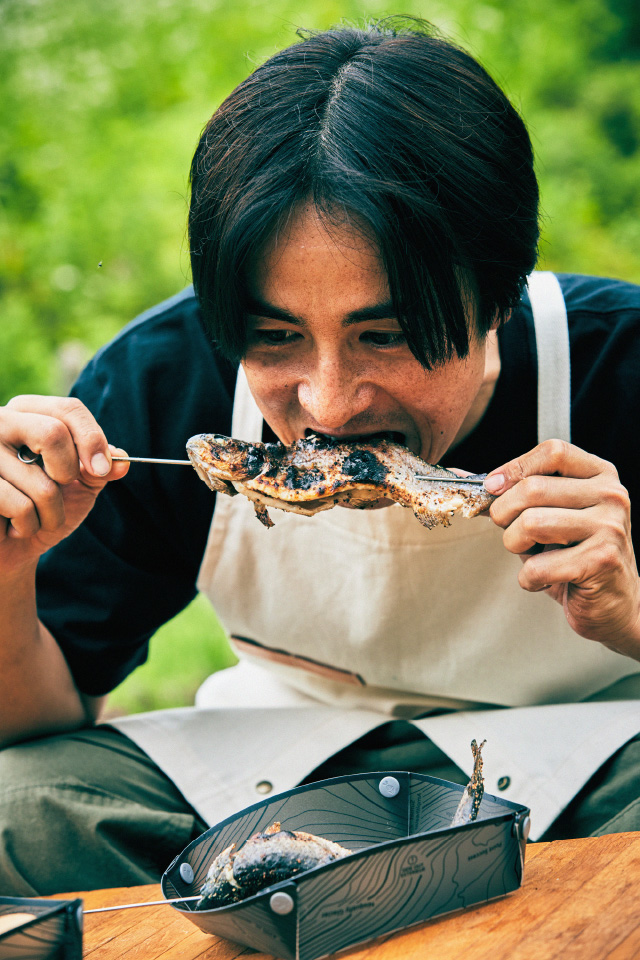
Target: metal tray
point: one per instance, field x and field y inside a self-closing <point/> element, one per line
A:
<point x="408" y="863"/>
<point x="55" y="933"/>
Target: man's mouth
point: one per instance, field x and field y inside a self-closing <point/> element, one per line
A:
<point x="392" y="436"/>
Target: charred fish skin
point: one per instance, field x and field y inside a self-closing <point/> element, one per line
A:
<point x="317" y="473"/>
<point x="220" y="886"/>
<point x="266" y="858"/>
<point x="473" y="792"/>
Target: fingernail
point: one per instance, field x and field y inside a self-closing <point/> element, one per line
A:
<point x="494" y="483"/>
<point x="100" y="465"/>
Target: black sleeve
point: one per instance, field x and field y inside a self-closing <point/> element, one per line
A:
<point x="604" y="330"/>
<point x="133" y="563"/>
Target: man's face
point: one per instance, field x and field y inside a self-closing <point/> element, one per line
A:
<point x="327" y="355"/>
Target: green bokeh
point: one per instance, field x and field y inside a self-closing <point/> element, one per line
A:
<point x="101" y="105"/>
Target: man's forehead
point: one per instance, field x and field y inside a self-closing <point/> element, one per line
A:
<point x="258" y="306"/>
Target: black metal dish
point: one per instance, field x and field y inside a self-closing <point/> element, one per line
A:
<point x="55" y="933"/>
<point x="408" y="865"/>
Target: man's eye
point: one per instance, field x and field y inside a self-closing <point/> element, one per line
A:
<point x="387" y="338"/>
<point x="274" y="336"/>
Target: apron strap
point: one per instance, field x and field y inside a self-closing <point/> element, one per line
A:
<point x="554" y="365"/>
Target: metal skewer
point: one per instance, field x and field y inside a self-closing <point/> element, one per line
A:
<point x="431" y="476"/>
<point x="186" y="463"/>
<point x="28" y="456"/>
<point x="148" y="903"/>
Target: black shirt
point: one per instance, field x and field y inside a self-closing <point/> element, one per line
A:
<point x="133" y="563"/>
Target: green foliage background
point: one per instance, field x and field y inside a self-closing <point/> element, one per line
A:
<point x="101" y="105"/>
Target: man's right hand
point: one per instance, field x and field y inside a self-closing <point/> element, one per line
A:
<point x="42" y="504"/>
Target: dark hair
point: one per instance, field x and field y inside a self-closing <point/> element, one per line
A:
<point x="402" y="131"/>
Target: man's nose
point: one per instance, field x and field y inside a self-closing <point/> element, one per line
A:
<point x="333" y="393"/>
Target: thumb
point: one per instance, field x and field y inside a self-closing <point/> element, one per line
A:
<point x="117" y="470"/>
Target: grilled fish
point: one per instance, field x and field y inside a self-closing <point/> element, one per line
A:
<point x="317" y="473"/>
<point x="474" y="790"/>
<point x="264" y="859"/>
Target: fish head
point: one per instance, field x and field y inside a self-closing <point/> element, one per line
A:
<point x="221" y="460"/>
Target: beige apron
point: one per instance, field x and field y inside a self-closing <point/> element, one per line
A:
<point x="369" y="611"/>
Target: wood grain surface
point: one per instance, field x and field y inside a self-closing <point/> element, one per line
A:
<point x="580" y="901"/>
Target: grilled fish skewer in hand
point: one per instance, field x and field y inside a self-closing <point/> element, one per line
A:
<point x="317" y="473"/>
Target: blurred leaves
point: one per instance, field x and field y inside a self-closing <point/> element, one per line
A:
<point x="101" y="106"/>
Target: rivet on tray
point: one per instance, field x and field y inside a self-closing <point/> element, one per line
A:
<point x="525" y="828"/>
<point x="264" y="786"/>
<point x="281" y="903"/>
<point x="389" y="787"/>
<point x="186" y="872"/>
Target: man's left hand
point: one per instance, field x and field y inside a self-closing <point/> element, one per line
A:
<point x="568" y="517"/>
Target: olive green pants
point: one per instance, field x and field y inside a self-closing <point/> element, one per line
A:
<point x="89" y="809"/>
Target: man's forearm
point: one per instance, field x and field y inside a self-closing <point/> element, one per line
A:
<point x="37" y="692"/>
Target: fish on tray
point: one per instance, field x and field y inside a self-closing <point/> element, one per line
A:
<point x="318" y="472"/>
<point x="264" y="859"/>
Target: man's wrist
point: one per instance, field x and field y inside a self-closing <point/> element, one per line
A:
<point x="627" y="641"/>
<point x="19" y="576"/>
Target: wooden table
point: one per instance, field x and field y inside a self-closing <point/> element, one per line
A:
<point x="580" y="901"/>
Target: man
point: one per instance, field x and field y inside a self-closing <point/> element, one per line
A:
<point x="362" y="224"/>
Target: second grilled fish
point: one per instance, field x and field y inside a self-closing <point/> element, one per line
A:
<point x="473" y="792"/>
